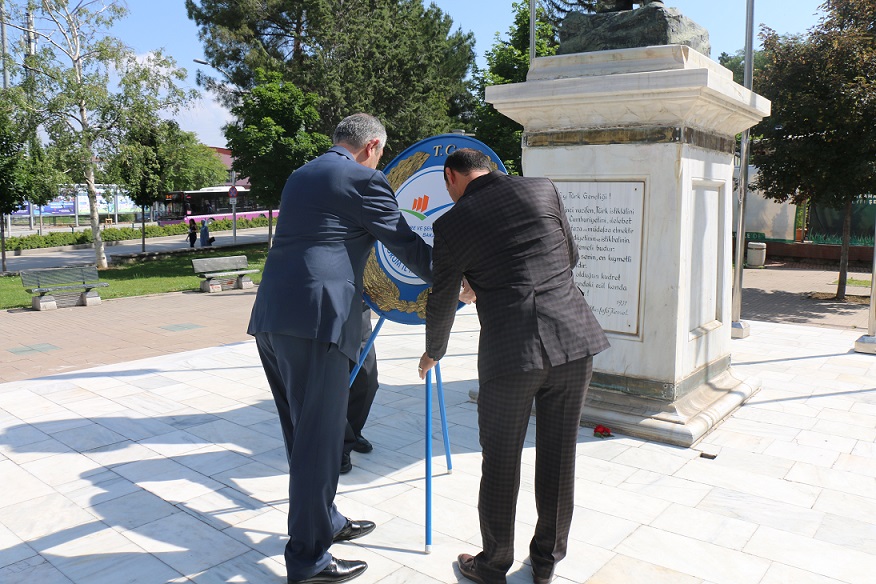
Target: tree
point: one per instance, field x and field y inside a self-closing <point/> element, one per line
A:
<point x="72" y="93"/>
<point x="508" y="62"/>
<point x="188" y="164"/>
<point x="401" y="63"/>
<point x="273" y="135"/>
<point x="736" y="64"/>
<point x="12" y="191"/>
<point x="557" y="10"/>
<point x="156" y="157"/>
<point x="27" y="170"/>
<point x="819" y="144"/>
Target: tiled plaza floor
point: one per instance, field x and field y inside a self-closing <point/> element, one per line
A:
<point x="171" y="468"/>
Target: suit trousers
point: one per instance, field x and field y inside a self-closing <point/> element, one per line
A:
<point x="363" y="390"/>
<point x="504" y="408"/>
<point x="309" y="381"/>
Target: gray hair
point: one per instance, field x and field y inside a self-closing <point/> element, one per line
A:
<point x="359" y="129"/>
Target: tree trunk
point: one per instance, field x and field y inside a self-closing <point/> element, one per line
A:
<point x="99" y="252"/>
<point x="844" y="252"/>
<point x="87" y="143"/>
<point x="143" y="225"/>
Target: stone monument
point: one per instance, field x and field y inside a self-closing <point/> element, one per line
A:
<point x="641" y="142"/>
<point x="616" y="26"/>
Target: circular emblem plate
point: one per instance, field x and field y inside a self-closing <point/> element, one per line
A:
<point x="417" y="177"/>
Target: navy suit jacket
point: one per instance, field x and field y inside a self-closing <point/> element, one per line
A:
<point x="331" y="212"/>
<point x="509" y="236"/>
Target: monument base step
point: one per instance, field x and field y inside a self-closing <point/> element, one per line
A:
<point x="682" y="422"/>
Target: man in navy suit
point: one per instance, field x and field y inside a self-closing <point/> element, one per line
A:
<point x="510" y="239"/>
<point x="307" y="321"/>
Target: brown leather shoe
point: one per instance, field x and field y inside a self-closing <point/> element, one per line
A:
<point x="467" y="567"/>
<point x="540" y="579"/>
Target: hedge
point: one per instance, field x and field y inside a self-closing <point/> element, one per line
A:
<point x="64" y="238"/>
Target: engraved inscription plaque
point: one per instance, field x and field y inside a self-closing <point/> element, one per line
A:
<point x="606" y="220"/>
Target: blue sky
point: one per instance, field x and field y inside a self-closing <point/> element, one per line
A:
<point x="154" y="24"/>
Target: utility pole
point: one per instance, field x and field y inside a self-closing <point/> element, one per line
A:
<point x="5" y="46"/>
<point x="740" y="329"/>
<point x="3" y="217"/>
<point x="29" y="75"/>
<point x="531" y="32"/>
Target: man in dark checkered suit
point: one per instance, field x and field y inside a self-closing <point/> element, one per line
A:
<point x="509" y="237"/>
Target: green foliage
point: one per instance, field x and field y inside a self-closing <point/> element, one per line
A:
<point x="556" y="10"/>
<point x="51" y="239"/>
<point x="508" y="62"/>
<point x="155" y="157"/>
<point x="837" y="239"/>
<point x="273" y="135"/>
<point x="736" y="64"/>
<point x="191" y="165"/>
<point x="395" y="59"/>
<point x="12" y="188"/>
<point x="68" y="90"/>
<point x="819" y="143"/>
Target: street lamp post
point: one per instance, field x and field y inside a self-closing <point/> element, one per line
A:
<point x="740" y="329"/>
<point x="531" y="31"/>
<point x="234" y="207"/>
<point x="867" y="343"/>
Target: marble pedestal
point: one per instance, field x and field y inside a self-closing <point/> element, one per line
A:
<point x="640" y="143"/>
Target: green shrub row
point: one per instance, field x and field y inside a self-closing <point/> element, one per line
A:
<point x="62" y="238"/>
<point x="836" y="239"/>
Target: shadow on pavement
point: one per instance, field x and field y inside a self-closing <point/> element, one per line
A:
<point x="792" y="307"/>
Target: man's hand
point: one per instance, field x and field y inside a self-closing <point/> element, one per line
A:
<point x="466" y="294"/>
<point x="426" y="363"/>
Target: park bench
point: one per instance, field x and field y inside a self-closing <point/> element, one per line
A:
<point x="223" y="273"/>
<point x="62" y="287"/>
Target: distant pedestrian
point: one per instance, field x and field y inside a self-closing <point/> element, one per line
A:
<point x="206" y="240"/>
<point x="193" y="232"/>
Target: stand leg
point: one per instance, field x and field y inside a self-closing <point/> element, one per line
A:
<point x="364" y="352"/>
<point x="428" y="462"/>
<point x="443" y="411"/>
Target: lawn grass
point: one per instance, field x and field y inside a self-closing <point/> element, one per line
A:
<point x="854" y="282"/>
<point x="172" y="273"/>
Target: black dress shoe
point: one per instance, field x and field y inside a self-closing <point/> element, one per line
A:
<point x="346" y="463"/>
<point x="541" y="579"/>
<point x="362" y="445"/>
<point x="354" y="530"/>
<point x="336" y="571"/>
<point x="466" y="564"/>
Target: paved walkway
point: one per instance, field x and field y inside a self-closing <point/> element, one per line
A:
<point x="138" y="443"/>
<point x="778" y="294"/>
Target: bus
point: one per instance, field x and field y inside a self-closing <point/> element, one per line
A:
<point x="210" y="204"/>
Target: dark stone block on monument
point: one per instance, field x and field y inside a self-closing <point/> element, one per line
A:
<point x="652" y="24"/>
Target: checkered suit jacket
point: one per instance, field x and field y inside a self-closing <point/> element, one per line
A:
<point x="509" y="236"/>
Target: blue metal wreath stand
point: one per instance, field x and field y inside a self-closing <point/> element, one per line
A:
<point x="441" y="409"/>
